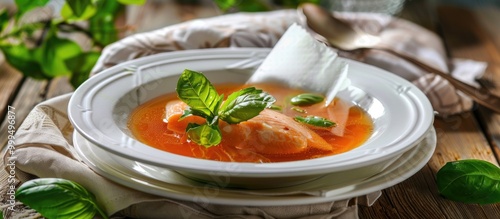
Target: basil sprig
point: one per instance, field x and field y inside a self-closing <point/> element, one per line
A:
<point x="196" y="91"/>
<point x="59" y="198"/>
<point x="315" y="121"/>
<point x="206" y="135"/>
<point x="306" y="99"/>
<point x="470" y="181"/>
<point x="200" y="95"/>
<point x="245" y="104"/>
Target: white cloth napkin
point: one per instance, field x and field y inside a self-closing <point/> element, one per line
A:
<point x="308" y="63"/>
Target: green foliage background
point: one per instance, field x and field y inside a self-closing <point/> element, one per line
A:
<point x="41" y="49"/>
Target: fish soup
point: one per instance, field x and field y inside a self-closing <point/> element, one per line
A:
<point x="277" y="134"/>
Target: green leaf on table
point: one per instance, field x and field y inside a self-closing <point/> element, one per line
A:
<point x="21" y="58"/>
<point x="205" y="135"/>
<point x="199" y="94"/>
<point x="315" y="121"/>
<point x="245" y="104"/>
<point x="102" y="24"/>
<point x="80" y="67"/>
<point x="470" y="181"/>
<point x="58" y="198"/>
<point x="306" y="99"/>
<point x="132" y="2"/>
<point x="53" y="53"/>
<point x="24" y="6"/>
<point x="69" y="15"/>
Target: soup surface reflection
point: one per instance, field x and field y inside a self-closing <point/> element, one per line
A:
<point x="273" y="136"/>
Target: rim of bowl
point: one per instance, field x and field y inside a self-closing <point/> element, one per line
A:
<point x="80" y="109"/>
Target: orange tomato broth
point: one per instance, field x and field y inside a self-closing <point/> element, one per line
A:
<point x="147" y="125"/>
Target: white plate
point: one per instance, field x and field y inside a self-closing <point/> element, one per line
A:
<point x="100" y="107"/>
<point x="321" y="190"/>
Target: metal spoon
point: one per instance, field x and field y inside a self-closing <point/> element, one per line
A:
<point x="344" y="37"/>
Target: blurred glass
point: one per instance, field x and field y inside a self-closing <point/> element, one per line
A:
<point x="377" y="6"/>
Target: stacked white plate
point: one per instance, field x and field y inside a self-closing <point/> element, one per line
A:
<point x="401" y="144"/>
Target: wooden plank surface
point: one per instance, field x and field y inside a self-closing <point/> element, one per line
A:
<point x="482" y="43"/>
<point x="58" y="86"/>
<point x="460" y="136"/>
<point x="488" y="18"/>
<point x="30" y="94"/>
<point x="9" y="82"/>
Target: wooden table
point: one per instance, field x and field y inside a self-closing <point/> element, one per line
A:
<point x="467" y="33"/>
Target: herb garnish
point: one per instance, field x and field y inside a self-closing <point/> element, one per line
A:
<point x="315" y="121"/>
<point x="276" y="107"/>
<point x="54" y="197"/>
<point x="306" y="99"/>
<point x="297" y="109"/>
<point x="200" y="95"/>
<point x="470" y="181"/>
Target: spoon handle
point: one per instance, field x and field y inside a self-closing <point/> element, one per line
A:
<point x="481" y="95"/>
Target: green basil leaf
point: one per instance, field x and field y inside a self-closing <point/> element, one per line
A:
<point x="470" y="181"/>
<point x="225" y="5"/>
<point x="245" y="104"/>
<point x="306" y="99"/>
<point x="78" y="6"/>
<point x="315" y="121"/>
<point x="102" y="24"/>
<point x="54" y="52"/>
<point x="4" y="19"/>
<point x="56" y="198"/>
<point x="24" y="6"/>
<point x="253" y="6"/>
<point x="276" y="107"/>
<point x="21" y="58"/>
<point x="249" y="6"/>
<point x="205" y="135"/>
<point x="300" y="110"/>
<point x="80" y="67"/>
<point x="69" y="15"/>
<point x="197" y="92"/>
<point x="132" y="2"/>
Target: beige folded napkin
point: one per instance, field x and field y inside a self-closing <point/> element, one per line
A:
<point x="265" y="29"/>
<point x="44" y="149"/>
